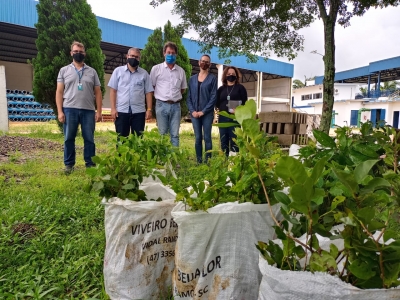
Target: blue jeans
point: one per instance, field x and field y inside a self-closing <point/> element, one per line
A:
<point x="74" y="117"/>
<point x="226" y="136"/>
<point x="200" y="126"/>
<point x="169" y="119"/>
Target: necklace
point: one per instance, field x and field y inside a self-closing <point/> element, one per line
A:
<point x="227" y="90"/>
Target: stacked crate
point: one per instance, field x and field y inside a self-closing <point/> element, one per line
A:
<point x="289" y="127"/>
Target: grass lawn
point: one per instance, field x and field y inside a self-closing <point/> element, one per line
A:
<point x="51" y="231"/>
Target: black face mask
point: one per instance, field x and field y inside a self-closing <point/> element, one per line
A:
<point x="231" y="78"/>
<point x="78" y="57"/>
<point x="133" y="62"/>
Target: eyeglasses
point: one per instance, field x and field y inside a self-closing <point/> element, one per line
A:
<point x="76" y="51"/>
<point x="133" y="56"/>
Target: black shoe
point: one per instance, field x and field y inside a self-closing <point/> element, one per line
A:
<point x="68" y="169"/>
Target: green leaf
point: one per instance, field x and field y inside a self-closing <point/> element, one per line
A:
<point x="106" y="177"/>
<point x="336" y="201"/>
<point x="366" y="214"/>
<point x="280" y="233"/>
<point x="334" y="250"/>
<point x="365" y="150"/>
<point x="375" y="225"/>
<point x="290" y="170"/>
<point x="252" y="106"/>
<point x="226" y="124"/>
<point x="299" y="251"/>
<point x="253" y="150"/>
<point x="301" y="199"/>
<point x="362" y="169"/>
<point x="226" y="114"/>
<point x="98" y="185"/>
<point x="91" y="171"/>
<point x="377" y="183"/>
<point x="389" y="234"/>
<point x="288" y="217"/>
<point x="242" y="113"/>
<point x="128" y="186"/>
<point x="251" y="128"/>
<point x="361" y="269"/>
<point x="96" y="160"/>
<point x="347" y="179"/>
<point x="318" y="169"/>
<point x="282" y="198"/>
<point x="322" y="262"/>
<point x="318" y="197"/>
<point x="324" y="139"/>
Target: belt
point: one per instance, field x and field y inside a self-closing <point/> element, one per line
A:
<point x="170" y="101"/>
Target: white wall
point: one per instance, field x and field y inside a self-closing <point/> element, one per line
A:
<point x="276" y="88"/>
<point x="271" y="89"/>
<point x="3" y="101"/>
<point x="106" y="98"/>
<point x="19" y="76"/>
<point x="343" y="110"/>
<point x="345" y="91"/>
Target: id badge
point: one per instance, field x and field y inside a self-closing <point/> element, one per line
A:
<point x="228" y="98"/>
<point x="80" y="87"/>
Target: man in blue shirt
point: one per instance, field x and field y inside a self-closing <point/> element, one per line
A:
<point x="130" y="92"/>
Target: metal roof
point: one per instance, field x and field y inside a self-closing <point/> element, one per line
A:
<point x="18" y="34"/>
<point x="389" y="69"/>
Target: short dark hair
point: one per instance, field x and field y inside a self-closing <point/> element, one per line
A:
<point x="170" y="45"/>
<point x="238" y="75"/>
<point x="205" y="55"/>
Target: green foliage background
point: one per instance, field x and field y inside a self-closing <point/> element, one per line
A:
<point x="152" y="54"/>
<point x="59" y="24"/>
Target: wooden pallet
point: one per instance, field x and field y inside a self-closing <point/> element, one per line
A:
<point x="283" y="128"/>
<point x="283" y="117"/>
<point x="289" y="139"/>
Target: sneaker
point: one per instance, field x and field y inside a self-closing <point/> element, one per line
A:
<point x="68" y="169"/>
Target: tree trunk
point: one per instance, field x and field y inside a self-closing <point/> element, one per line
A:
<point x="329" y="64"/>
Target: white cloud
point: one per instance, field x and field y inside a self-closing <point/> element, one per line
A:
<point x="369" y="38"/>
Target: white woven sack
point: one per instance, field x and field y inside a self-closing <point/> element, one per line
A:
<point x="277" y="284"/>
<point x="216" y="256"/>
<point x="140" y="245"/>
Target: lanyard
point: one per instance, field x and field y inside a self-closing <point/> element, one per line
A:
<point x="80" y="74"/>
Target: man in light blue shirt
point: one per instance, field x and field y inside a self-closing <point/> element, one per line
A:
<point x="130" y="92"/>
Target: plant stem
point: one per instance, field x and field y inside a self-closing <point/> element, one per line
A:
<point x="344" y="267"/>
<point x="270" y="209"/>
<point x="382" y="276"/>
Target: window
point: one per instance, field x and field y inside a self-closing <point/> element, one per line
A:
<point x="353" y="117"/>
<point x="317" y="96"/>
<point x="306" y="97"/>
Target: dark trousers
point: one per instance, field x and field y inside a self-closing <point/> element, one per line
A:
<point x="127" y="123"/>
<point x="226" y="136"/>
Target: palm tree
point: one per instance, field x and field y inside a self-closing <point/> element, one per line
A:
<point x="363" y="91"/>
<point x="297" y="83"/>
<point x="390" y="86"/>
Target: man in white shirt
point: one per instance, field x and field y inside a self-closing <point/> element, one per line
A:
<point x="130" y="91"/>
<point x="169" y="82"/>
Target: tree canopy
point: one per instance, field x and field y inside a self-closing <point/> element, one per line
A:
<point x="260" y="27"/>
<point x="297" y="83"/>
<point x="59" y="24"/>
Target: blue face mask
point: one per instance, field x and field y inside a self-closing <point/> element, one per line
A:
<point x="170" y="58"/>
